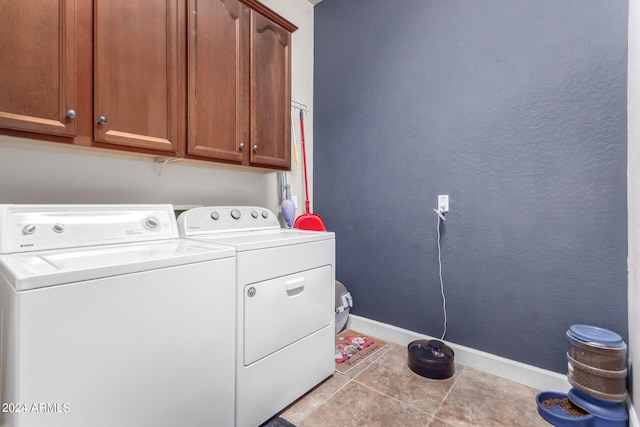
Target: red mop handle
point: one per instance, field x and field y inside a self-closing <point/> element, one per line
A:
<point x="304" y="164"/>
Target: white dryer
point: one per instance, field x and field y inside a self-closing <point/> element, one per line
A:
<point x="107" y="318"/>
<point x="285" y="313"/>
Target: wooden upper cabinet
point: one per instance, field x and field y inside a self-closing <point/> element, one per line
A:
<point x="270" y="93"/>
<point x="239" y="89"/>
<point x="38" y="66"/>
<point x="218" y="70"/>
<point x="137" y="73"/>
<point x="203" y="79"/>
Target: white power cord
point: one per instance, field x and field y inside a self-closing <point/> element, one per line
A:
<point x="444" y="300"/>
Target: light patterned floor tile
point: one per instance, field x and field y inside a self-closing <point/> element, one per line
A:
<point x="391" y="375"/>
<point x="384" y="392"/>
<point x="481" y="399"/>
<point x="356" y="405"/>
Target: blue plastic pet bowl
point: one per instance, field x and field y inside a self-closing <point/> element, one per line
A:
<point x="557" y="416"/>
<point x="600" y="413"/>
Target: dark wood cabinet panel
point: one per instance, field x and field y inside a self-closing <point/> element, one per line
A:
<point x="270" y="93"/>
<point x="218" y="69"/>
<point x="38" y="67"/>
<point x="137" y="74"/>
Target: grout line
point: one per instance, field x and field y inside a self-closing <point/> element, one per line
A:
<point x="390" y="396"/>
<point x="340" y="388"/>
<point x="354" y="379"/>
<point x="330" y="396"/>
<point x="380" y="353"/>
<point x="395" y="399"/>
<point x="435" y="413"/>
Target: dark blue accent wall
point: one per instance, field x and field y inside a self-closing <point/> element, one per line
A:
<point x="517" y="111"/>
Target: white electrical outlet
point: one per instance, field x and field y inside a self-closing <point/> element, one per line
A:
<point x="443" y="203"/>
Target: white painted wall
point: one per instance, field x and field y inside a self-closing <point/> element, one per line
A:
<point x="37" y="172"/>
<point x="300" y="12"/>
<point x="633" y="200"/>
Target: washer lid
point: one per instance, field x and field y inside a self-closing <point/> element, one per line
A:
<point x="48" y="268"/>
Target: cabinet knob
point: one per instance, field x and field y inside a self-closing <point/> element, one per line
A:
<point x="255" y="148"/>
<point x="71" y="114"/>
<point x="242" y="146"/>
<point x="102" y="120"/>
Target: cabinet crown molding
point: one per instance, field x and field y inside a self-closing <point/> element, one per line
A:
<point x="273" y="16"/>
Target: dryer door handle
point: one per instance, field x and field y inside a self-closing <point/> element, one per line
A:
<point x="294" y="286"/>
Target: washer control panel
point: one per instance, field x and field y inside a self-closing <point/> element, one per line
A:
<point x="211" y="219"/>
<point x="26" y="228"/>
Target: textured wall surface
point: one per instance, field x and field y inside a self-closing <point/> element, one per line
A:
<point x="517" y="110"/>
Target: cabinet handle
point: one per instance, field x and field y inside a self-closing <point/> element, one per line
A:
<point x="71" y="114"/>
<point x="242" y="146"/>
<point x="102" y="120"/>
<point x="255" y="148"/>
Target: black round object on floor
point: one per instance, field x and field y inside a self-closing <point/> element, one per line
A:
<point x="431" y="359"/>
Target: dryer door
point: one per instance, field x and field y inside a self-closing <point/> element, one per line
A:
<point x="281" y="311"/>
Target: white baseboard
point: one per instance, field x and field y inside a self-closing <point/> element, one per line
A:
<point x="532" y="376"/>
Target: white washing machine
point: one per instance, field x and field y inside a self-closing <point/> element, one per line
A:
<point x="285" y="312"/>
<point x="109" y="319"/>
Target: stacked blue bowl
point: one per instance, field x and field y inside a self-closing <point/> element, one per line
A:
<point x="597" y="371"/>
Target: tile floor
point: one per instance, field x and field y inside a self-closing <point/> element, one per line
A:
<point x="383" y="391"/>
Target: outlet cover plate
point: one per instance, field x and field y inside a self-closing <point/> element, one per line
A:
<point x="443" y="203"/>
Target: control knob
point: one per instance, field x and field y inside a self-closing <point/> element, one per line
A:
<point x="151" y="222"/>
<point x="215" y="215"/>
<point x="29" y="229"/>
<point x="235" y="214"/>
<point x="58" y="228"/>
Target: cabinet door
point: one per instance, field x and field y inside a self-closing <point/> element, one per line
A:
<point x="270" y="93"/>
<point x="38" y="66"/>
<point x="218" y="68"/>
<point x="137" y="79"/>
